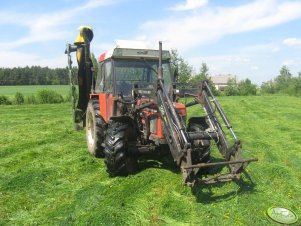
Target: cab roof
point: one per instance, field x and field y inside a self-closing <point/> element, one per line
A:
<point x="128" y="53"/>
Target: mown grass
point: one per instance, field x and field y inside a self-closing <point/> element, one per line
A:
<point x="10" y="91"/>
<point x="48" y="178"/>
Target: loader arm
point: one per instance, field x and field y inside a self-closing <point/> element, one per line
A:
<point x="180" y="140"/>
<point x="173" y="127"/>
<point x="212" y="107"/>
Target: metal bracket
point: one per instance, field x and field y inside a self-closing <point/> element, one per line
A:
<point x="204" y="165"/>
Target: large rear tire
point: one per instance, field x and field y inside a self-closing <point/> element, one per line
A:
<point x="95" y="129"/>
<point x="118" y="159"/>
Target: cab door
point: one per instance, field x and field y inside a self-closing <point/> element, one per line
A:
<point x="104" y="89"/>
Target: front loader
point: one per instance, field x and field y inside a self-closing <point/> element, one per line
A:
<point x="132" y="107"/>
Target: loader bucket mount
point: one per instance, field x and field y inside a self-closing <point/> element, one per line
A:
<point x="180" y="140"/>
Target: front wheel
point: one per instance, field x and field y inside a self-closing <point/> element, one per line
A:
<point x="118" y="159"/>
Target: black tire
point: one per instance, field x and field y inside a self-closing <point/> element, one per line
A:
<point x="200" y="148"/>
<point x="118" y="159"/>
<point x="95" y="129"/>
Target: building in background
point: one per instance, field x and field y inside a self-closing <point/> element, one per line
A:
<point x="220" y="81"/>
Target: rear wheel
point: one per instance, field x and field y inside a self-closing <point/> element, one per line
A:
<point x="95" y="128"/>
<point x="118" y="159"/>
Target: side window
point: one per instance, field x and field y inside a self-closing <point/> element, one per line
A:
<point x="107" y="67"/>
<point x="100" y="79"/>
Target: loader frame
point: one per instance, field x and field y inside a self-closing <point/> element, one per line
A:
<point x="179" y="139"/>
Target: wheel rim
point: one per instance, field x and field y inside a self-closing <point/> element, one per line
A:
<point x="90" y="129"/>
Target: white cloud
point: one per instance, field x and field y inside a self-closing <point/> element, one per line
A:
<point x="21" y="59"/>
<point x="212" y="23"/>
<point x="44" y="27"/>
<point x="41" y="28"/>
<point x="220" y="62"/>
<point x="14" y="58"/>
<point x="101" y="47"/>
<point x="292" y="42"/>
<point x="289" y="62"/>
<point x="275" y="50"/>
<point x="261" y="49"/>
<point x="255" y="62"/>
<point x="189" y="5"/>
<point x="254" y="68"/>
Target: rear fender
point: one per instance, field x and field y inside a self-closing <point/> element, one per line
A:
<point x="123" y="119"/>
<point x="105" y="103"/>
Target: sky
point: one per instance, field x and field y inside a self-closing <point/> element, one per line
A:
<point x="250" y="39"/>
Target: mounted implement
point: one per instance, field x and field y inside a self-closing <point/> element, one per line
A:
<point x="132" y="108"/>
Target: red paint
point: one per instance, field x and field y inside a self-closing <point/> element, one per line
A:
<point x="110" y="103"/>
<point x="160" y="134"/>
<point x="181" y="108"/>
<point x="106" y="103"/>
<point x="102" y="57"/>
<point x="102" y="104"/>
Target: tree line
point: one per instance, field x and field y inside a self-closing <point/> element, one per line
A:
<point x="283" y="83"/>
<point x="34" y="75"/>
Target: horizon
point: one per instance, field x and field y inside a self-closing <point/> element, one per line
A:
<point x="249" y="39"/>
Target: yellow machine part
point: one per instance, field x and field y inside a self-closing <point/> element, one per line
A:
<point x="84" y="32"/>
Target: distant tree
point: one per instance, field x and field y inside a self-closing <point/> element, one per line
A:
<point x="231" y="88"/>
<point x="184" y="69"/>
<point x="295" y="86"/>
<point x="34" y="75"/>
<point x="203" y="74"/>
<point x="268" y="87"/>
<point x="285" y="83"/>
<point x="283" y="80"/>
<point x="246" y="88"/>
<point x="298" y="85"/>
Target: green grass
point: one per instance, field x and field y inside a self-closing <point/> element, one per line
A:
<point x="10" y="91"/>
<point x="47" y="176"/>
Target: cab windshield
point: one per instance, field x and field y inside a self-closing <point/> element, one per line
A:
<point x="142" y="72"/>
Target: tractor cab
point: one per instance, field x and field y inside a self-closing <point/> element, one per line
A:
<point x="122" y="70"/>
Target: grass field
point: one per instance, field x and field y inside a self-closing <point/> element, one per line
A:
<point x="10" y="91"/>
<point x="48" y="178"/>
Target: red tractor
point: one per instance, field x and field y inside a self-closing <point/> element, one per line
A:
<point x="131" y="107"/>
